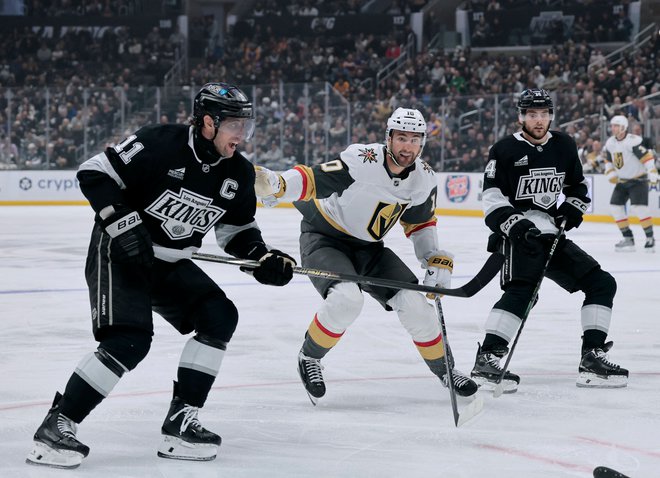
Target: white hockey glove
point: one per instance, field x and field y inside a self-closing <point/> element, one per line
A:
<point x="439" y="267"/>
<point x="610" y="174"/>
<point x="268" y="185"/>
<point x="653" y="177"/>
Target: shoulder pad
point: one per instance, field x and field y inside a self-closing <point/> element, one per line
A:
<point x="357" y="154"/>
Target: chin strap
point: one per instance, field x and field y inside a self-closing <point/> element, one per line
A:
<point x="389" y="153"/>
<point x="205" y="147"/>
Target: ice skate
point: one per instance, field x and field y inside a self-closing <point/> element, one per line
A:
<point x="463" y="385"/>
<point x="184" y="437"/>
<point x="596" y="371"/>
<point x="649" y="246"/>
<point x="487" y="371"/>
<point x="310" y="373"/>
<point x="627" y="244"/>
<point x="55" y="442"/>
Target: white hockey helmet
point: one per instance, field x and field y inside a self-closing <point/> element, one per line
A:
<point x="620" y="120"/>
<point x="407" y="119"/>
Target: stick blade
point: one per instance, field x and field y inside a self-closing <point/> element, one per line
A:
<point x="605" y="472"/>
<point x="471" y="410"/>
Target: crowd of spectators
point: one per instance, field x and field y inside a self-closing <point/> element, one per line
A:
<point x="60" y="8"/>
<point x="53" y="87"/>
<point x="501" y="22"/>
<point x="467" y="98"/>
<point x="329" y="7"/>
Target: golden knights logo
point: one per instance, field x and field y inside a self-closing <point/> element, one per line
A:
<point x="184" y="213"/>
<point x="542" y="186"/>
<point x="368" y="155"/>
<point x="385" y="216"/>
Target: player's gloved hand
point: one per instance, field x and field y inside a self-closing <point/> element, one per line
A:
<point x="524" y="236"/>
<point x="653" y="177"/>
<point x="131" y="242"/>
<point x="612" y="176"/>
<point x="572" y="209"/>
<point x="439" y="267"/>
<point x="276" y="268"/>
<point x="268" y="186"/>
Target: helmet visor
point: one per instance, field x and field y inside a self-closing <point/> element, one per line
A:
<point x="243" y="128"/>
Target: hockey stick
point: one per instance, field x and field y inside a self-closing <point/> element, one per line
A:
<point x="605" y="472"/>
<point x="489" y="270"/>
<point x="475" y="405"/>
<point x="499" y="388"/>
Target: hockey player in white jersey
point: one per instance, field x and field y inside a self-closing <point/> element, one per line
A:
<point x="630" y="166"/>
<point x="348" y="206"/>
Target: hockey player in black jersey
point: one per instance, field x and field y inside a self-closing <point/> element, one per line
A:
<point x="523" y="178"/>
<point x="165" y="186"/>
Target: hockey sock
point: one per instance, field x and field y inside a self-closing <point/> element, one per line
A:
<point x="319" y="340"/>
<point x="312" y="349"/>
<point x="79" y="399"/>
<point x="194" y="386"/>
<point x="649" y="231"/>
<point x="626" y="231"/>
<point x="493" y="342"/>
<point x="592" y="339"/>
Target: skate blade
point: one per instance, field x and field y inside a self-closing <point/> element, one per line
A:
<point x="177" y="449"/>
<point x="312" y="398"/>
<point x="592" y="380"/>
<point x="506" y="386"/>
<point x="649" y="250"/>
<point x="43" y="455"/>
<point x="625" y="249"/>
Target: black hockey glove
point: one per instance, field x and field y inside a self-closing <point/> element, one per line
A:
<point x="131" y="242"/>
<point x="276" y="268"/>
<point x="525" y="237"/>
<point x="572" y="209"/>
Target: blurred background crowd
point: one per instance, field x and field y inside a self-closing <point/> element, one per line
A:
<point x="79" y="75"/>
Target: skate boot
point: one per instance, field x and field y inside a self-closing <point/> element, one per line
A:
<point x="649" y="246"/>
<point x="463" y="385"/>
<point x="55" y="442"/>
<point x="487" y="371"/>
<point x="310" y="373"/>
<point x="596" y="371"/>
<point x="627" y="244"/>
<point x="184" y="437"/>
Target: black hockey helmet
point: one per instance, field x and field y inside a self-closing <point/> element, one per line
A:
<point x="535" y="98"/>
<point x="220" y="101"/>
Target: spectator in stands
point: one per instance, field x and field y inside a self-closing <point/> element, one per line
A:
<point x="33" y="158"/>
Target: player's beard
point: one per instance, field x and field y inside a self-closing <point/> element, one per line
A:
<point x="533" y="132"/>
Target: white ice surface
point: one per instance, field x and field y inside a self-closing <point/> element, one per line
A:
<point x="384" y="414"/>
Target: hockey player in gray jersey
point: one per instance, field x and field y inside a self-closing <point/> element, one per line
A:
<point x="348" y="206"/>
<point x="165" y="185"/>
<point x="524" y="176"/>
<point x="631" y="167"/>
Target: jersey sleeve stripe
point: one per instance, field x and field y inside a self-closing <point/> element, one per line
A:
<point x="409" y="229"/>
<point x="309" y="184"/>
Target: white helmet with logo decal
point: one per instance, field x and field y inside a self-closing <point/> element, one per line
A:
<point x="620" y="120"/>
<point x="409" y="120"/>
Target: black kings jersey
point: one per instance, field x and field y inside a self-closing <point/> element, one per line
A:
<point x="524" y="178"/>
<point x="157" y="172"/>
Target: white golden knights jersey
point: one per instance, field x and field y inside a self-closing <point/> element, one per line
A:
<point x="180" y="198"/>
<point x="628" y="156"/>
<point x="357" y="196"/>
<point x="524" y="178"/>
